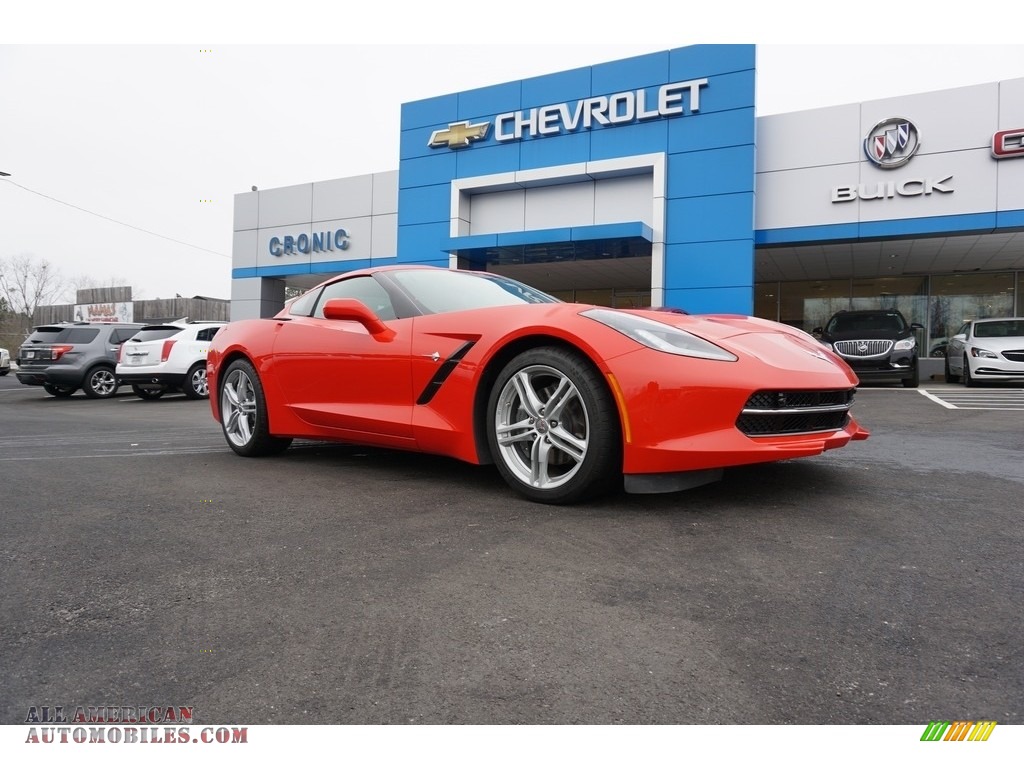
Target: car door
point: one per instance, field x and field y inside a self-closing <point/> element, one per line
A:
<point x="337" y="375"/>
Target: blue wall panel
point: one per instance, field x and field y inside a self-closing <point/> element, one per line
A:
<point x="713" y="130"/>
<point x="423" y="244"/>
<point x="554" y="89"/>
<point x="696" y="61"/>
<point x="484" y="160"/>
<point x="708" y="265"/>
<point x="423" y="205"/>
<point x="491" y="100"/>
<point x="630" y="74"/>
<point x="725" y="300"/>
<point x="625" y="140"/>
<point x="418" y="114"/>
<point x="704" y="219"/>
<point x="712" y="172"/>
<point x="555" y="150"/>
<point x="426" y="171"/>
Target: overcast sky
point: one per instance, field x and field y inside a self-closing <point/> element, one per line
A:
<point x="127" y="145"/>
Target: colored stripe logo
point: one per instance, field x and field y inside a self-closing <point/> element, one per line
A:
<point x="958" y="730"/>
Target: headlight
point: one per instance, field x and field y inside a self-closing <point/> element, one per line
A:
<point x="905" y="344"/>
<point x="976" y="352"/>
<point x="659" y="336"/>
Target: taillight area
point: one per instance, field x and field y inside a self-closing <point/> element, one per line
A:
<point x="166" y="351"/>
<point x="59" y="349"/>
<point x="120" y="353"/>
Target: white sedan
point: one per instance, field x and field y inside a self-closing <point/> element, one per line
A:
<point x="986" y="350"/>
<point x="5" y="362"/>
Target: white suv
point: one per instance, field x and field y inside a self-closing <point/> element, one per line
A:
<point x="167" y="357"/>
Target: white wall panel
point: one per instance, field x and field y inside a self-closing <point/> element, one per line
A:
<point x="384" y="236"/>
<point x="803" y="198"/>
<point x="814" y="137"/>
<point x="623" y="199"/>
<point x="247" y="208"/>
<point x="498" y="212"/>
<point x="244" y="248"/>
<point x="385" y="194"/>
<point x="348" y="198"/>
<point x="570" y="205"/>
<point x="286" y="205"/>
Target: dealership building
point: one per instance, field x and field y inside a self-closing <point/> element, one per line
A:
<point x="652" y="181"/>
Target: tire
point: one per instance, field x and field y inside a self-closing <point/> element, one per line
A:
<point x="4" y="373"/>
<point x="915" y="379"/>
<point x="562" y="444"/>
<point x="53" y="389"/>
<point x="100" y="382"/>
<point x="951" y="377"/>
<point x="243" y="413"/>
<point x="147" y="394"/>
<point x="195" y="386"/>
<point x="968" y="379"/>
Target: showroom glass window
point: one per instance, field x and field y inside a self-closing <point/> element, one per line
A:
<point x="955" y="299"/>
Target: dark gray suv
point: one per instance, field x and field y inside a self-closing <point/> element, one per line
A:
<point x="66" y="357"/>
<point x="878" y="344"/>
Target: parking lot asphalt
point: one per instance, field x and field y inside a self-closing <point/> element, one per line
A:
<point x="144" y="564"/>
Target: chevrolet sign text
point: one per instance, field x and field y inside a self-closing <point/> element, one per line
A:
<point x="619" y="108"/>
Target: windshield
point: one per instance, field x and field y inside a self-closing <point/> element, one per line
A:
<point x="999" y="328"/>
<point x="440" y="290"/>
<point x="876" y="321"/>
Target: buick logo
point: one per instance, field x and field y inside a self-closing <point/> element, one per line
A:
<point x="892" y="142"/>
<point x="862" y="347"/>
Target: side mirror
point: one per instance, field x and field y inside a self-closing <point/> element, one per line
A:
<point x="352" y="309"/>
<point x="818" y="331"/>
<point x="916" y="327"/>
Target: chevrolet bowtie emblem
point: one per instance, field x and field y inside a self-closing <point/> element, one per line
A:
<point x="458" y="135"/>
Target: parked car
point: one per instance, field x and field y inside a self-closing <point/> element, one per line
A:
<point x="568" y="400"/>
<point x="5" y="362"/>
<point x="167" y="357"/>
<point x="66" y="357"/>
<point x="879" y="344"/>
<point x="986" y="350"/>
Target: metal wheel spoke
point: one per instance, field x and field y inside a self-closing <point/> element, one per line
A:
<point x="569" y="443"/>
<point x="563" y="394"/>
<point x="231" y="393"/>
<point x="514" y="433"/>
<point x="527" y="397"/>
<point x="539" y="462"/>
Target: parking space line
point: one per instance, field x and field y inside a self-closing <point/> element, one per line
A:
<point x="938" y="400"/>
<point x="979" y="400"/>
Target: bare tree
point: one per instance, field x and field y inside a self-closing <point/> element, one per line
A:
<point x="27" y="283"/>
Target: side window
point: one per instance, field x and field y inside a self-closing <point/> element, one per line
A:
<point x="121" y="335"/>
<point x="964" y="328"/>
<point x="303" y="306"/>
<point x="207" y="334"/>
<point x="364" y="289"/>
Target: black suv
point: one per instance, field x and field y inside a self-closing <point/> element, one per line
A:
<point x="64" y="357"/>
<point x="878" y="344"/>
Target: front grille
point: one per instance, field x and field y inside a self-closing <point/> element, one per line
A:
<point x="1017" y="355"/>
<point x="795" y="412"/>
<point x="863" y="347"/>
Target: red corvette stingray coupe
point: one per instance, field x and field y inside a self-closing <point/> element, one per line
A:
<point x="568" y="400"/>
